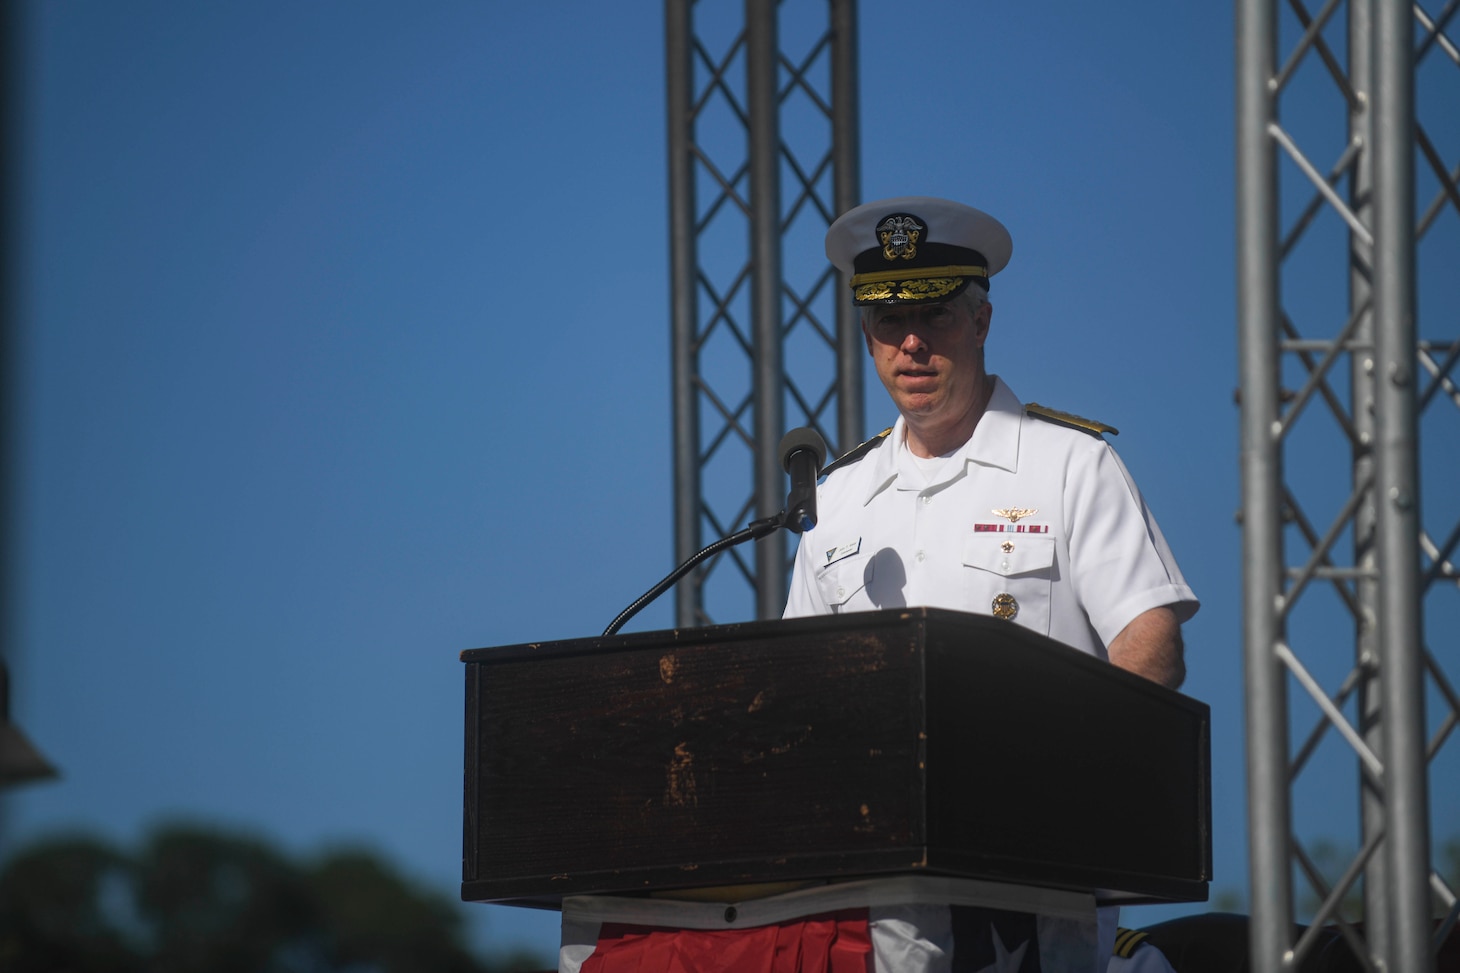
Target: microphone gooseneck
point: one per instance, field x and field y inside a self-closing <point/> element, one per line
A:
<point x="802" y="453"/>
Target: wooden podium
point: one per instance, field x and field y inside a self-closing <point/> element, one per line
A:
<point x="892" y="742"/>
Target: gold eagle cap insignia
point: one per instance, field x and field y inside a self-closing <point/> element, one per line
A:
<point x="899" y="235"/>
<point x="1015" y="514"/>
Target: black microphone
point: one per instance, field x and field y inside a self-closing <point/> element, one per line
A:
<point x="802" y="453"/>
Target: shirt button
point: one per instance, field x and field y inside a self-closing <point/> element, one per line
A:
<point x="841" y="592"/>
<point x="1005" y="565"/>
<point x="927" y="498"/>
<point x="922" y="556"/>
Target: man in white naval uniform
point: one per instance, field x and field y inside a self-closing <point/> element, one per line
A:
<point x="974" y="501"/>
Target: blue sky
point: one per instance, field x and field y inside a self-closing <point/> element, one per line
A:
<point x="344" y="347"/>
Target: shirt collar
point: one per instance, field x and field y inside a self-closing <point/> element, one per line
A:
<point x="995" y="442"/>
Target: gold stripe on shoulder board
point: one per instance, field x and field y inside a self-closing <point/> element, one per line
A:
<point x="1127" y="940"/>
<point x="1091" y="426"/>
<point x="851" y="456"/>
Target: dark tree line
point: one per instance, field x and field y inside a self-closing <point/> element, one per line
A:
<point x="195" y="899"/>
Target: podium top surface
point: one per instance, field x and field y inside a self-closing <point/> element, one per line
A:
<point x="982" y="627"/>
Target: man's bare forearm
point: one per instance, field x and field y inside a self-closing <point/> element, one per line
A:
<point x="1151" y="646"/>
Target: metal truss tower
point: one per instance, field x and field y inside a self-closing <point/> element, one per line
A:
<point x="1347" y="245"/>
<point x="763" y="155"/>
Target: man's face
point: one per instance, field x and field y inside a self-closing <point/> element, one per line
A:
<point x="929" y="357"/>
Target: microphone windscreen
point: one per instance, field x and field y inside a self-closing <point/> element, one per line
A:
<point x="802" y="438"/>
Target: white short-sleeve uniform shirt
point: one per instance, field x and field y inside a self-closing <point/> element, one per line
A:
<point x="1034" y="517"/>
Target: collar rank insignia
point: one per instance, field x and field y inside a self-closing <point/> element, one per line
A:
<point x="899" y="235"/>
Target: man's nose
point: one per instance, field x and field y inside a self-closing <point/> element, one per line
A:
<point x="912" y="342"/>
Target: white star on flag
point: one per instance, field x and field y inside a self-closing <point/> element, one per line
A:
<point x="1004" y="961"/>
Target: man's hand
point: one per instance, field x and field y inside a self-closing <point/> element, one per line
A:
<point x="1151" y="646"/>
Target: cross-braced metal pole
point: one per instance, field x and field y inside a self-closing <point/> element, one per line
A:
<point x="762" y="157"/>
<point x="1375" y="700"/>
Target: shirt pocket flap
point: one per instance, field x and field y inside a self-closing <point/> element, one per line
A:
<point x="840" y="581"/>
<point x="1027" y="554"/>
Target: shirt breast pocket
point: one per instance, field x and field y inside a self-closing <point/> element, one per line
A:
<point x="1017" y="583"/>
<point x="842" y="581"/>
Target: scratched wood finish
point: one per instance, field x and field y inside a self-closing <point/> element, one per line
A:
<point x="1046" y="761"/>
<point x="897" y="741"/>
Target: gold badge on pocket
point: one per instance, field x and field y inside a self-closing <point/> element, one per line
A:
<point x="1005" y="607"/>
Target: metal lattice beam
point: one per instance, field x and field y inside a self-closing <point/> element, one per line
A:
<point x="762" y="156"/>
<point x="1347" y="86"/>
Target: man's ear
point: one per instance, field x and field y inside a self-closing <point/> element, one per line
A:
<point x="981" y="319"/>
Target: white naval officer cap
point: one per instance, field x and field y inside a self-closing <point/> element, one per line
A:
<point x="916" y="249"/>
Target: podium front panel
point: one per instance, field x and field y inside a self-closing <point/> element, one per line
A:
<point x="902" y="741"/>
